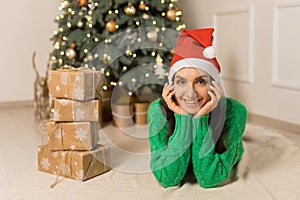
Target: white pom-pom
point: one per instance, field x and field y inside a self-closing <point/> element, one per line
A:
<point x="209" y="52"/>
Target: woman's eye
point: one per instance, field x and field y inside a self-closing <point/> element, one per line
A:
<point x="180" y="82"/>
<point x="201" y="81"/>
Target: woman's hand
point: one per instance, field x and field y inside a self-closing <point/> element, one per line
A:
<point x="215" y="94"/>
<point x="167" y="94"/>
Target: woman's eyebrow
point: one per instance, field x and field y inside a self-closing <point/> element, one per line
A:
<point x="178" y="76"/>
<point x="202" y="76"/>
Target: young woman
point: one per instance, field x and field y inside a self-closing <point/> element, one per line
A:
<point x="194" y="126"/>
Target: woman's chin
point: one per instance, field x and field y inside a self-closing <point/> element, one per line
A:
<point x="191" y="110"/>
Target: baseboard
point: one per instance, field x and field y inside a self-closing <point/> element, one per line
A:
<point x="272" y="123"/>
<point x="16" y="104"/>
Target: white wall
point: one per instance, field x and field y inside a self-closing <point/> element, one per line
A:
<point x="26" y="26"/>
<point x="258" y="46"/>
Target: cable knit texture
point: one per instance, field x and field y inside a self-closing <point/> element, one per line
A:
<point x="192" y="142"/>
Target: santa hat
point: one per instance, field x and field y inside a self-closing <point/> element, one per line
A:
<point x="194" y="49"/>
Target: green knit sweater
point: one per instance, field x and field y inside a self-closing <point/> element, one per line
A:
<point x="192" y="142"/>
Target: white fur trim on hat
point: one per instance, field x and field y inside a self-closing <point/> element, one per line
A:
<point x="209" y="52"/>
<point x="198" y="63"/>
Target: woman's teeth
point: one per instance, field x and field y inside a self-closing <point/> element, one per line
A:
<point x="191" y="101"/>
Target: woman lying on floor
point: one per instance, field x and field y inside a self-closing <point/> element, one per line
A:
<point x="194" y="127"/>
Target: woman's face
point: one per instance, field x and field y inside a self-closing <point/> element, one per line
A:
<point x="191" y="89"/>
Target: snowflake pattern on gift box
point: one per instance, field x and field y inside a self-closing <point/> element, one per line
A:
<point x="79" y="175"/>
<point x="45" y="163"/>
<point x="64" y="102"/>
<point x="73" y="147"/>
<point x="81" y="134"/>
<point x="57" y="88"/>
<point x="65" y="78"/>
<point x="56" y="115"/>
<point x="78" y="93"/>
<point x="65" y="169"/>
<point x="77" y="78"/>
<point x="78" y="114"/>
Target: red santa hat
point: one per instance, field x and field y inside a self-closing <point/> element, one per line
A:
<point x="194" y="49"/>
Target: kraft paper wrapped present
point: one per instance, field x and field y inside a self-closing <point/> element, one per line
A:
<point x="66" y="110"/>
<point x="73" y="135"/>
<point x="78" y="165"/>
<point x="75" y="83"/>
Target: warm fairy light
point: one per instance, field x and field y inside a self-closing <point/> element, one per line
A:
<point x="154" y="22"/>
<point x="57" y="45"/>
<point x="62" y="53"/>
<point x="163" y="28"/>
<point x="139" y="39"/>
<point x="146" y="8"/>
<point x="163" y="14"/>
<point x="171" y="5"/>
<point x="137" y="23"/>
<point x="61" y="29"/>
<point x="69" y="10"/>
<point x="53" y="58"/>
<point x="61" y="16"/>
<point x="55" y="32"/>
<point x="96" y="39"/>
<point x="57" y="18"/>
<point x="90" y="25"/>
<point x="147" y="75"/>
<point x="96" y="4"/>
<point x="85" y="51"/>
<point x="60" y="61"/>
<point x="107" y="73"/>
<point x="160" y="44"/>
<point x="90" y="12"/>
<point x="177" y="19"/>
<point x="162" y="1"/>
<point x="65" y="38"/>
<point x="120" y="83"/>
<point x="134" y="55"/>
<point x="88" y="35"/>
<point x="152" y="53"/>
<point x="117" y="11"/>
<point x="133" y="80"/>
<point x="69" y="25"/>
<point x="110" y="12"/>
<point x="105" y="87"/>
<point x="129" y="93"/>
<point x="124" y="68"/>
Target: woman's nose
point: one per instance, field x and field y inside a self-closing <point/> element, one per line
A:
<point x="191" y="93"/>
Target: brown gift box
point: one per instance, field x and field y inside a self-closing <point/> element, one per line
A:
<point x="78" y="165"/>
<point x="66" y="110"/>
<point x="73" y="135"/>
<point x="75" y="83"/>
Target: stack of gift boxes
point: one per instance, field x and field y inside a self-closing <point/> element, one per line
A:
<point x="73" y="148"/>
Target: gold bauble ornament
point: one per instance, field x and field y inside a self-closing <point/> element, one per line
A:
<point x="71" y="53"/>
<point x="171" y="14"/>
<point x="142" y="5"/>
<point x="111" y="26"/>
<point x="73" y="45"/>
<point x="130" y="9"/>
<point x="82" y="3"/>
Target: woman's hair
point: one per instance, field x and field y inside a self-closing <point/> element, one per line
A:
<point x="216" y="122"/>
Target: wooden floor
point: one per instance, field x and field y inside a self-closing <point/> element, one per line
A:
<point x="19" y="138"/>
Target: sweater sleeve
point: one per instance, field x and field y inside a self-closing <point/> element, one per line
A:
<point x="169" y="157"/>
<point x="211" y="168"/>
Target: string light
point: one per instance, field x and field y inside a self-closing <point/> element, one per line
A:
<point x="109" y="12"/>
<point x="129" y="93"/>
<point x="85" y="51"/>
<point x="117" y="11"/>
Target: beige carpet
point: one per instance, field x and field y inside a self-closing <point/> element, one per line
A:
<point x="269" y="169"/>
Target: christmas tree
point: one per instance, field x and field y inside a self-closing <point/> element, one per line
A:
<point x="117" y="36"/>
